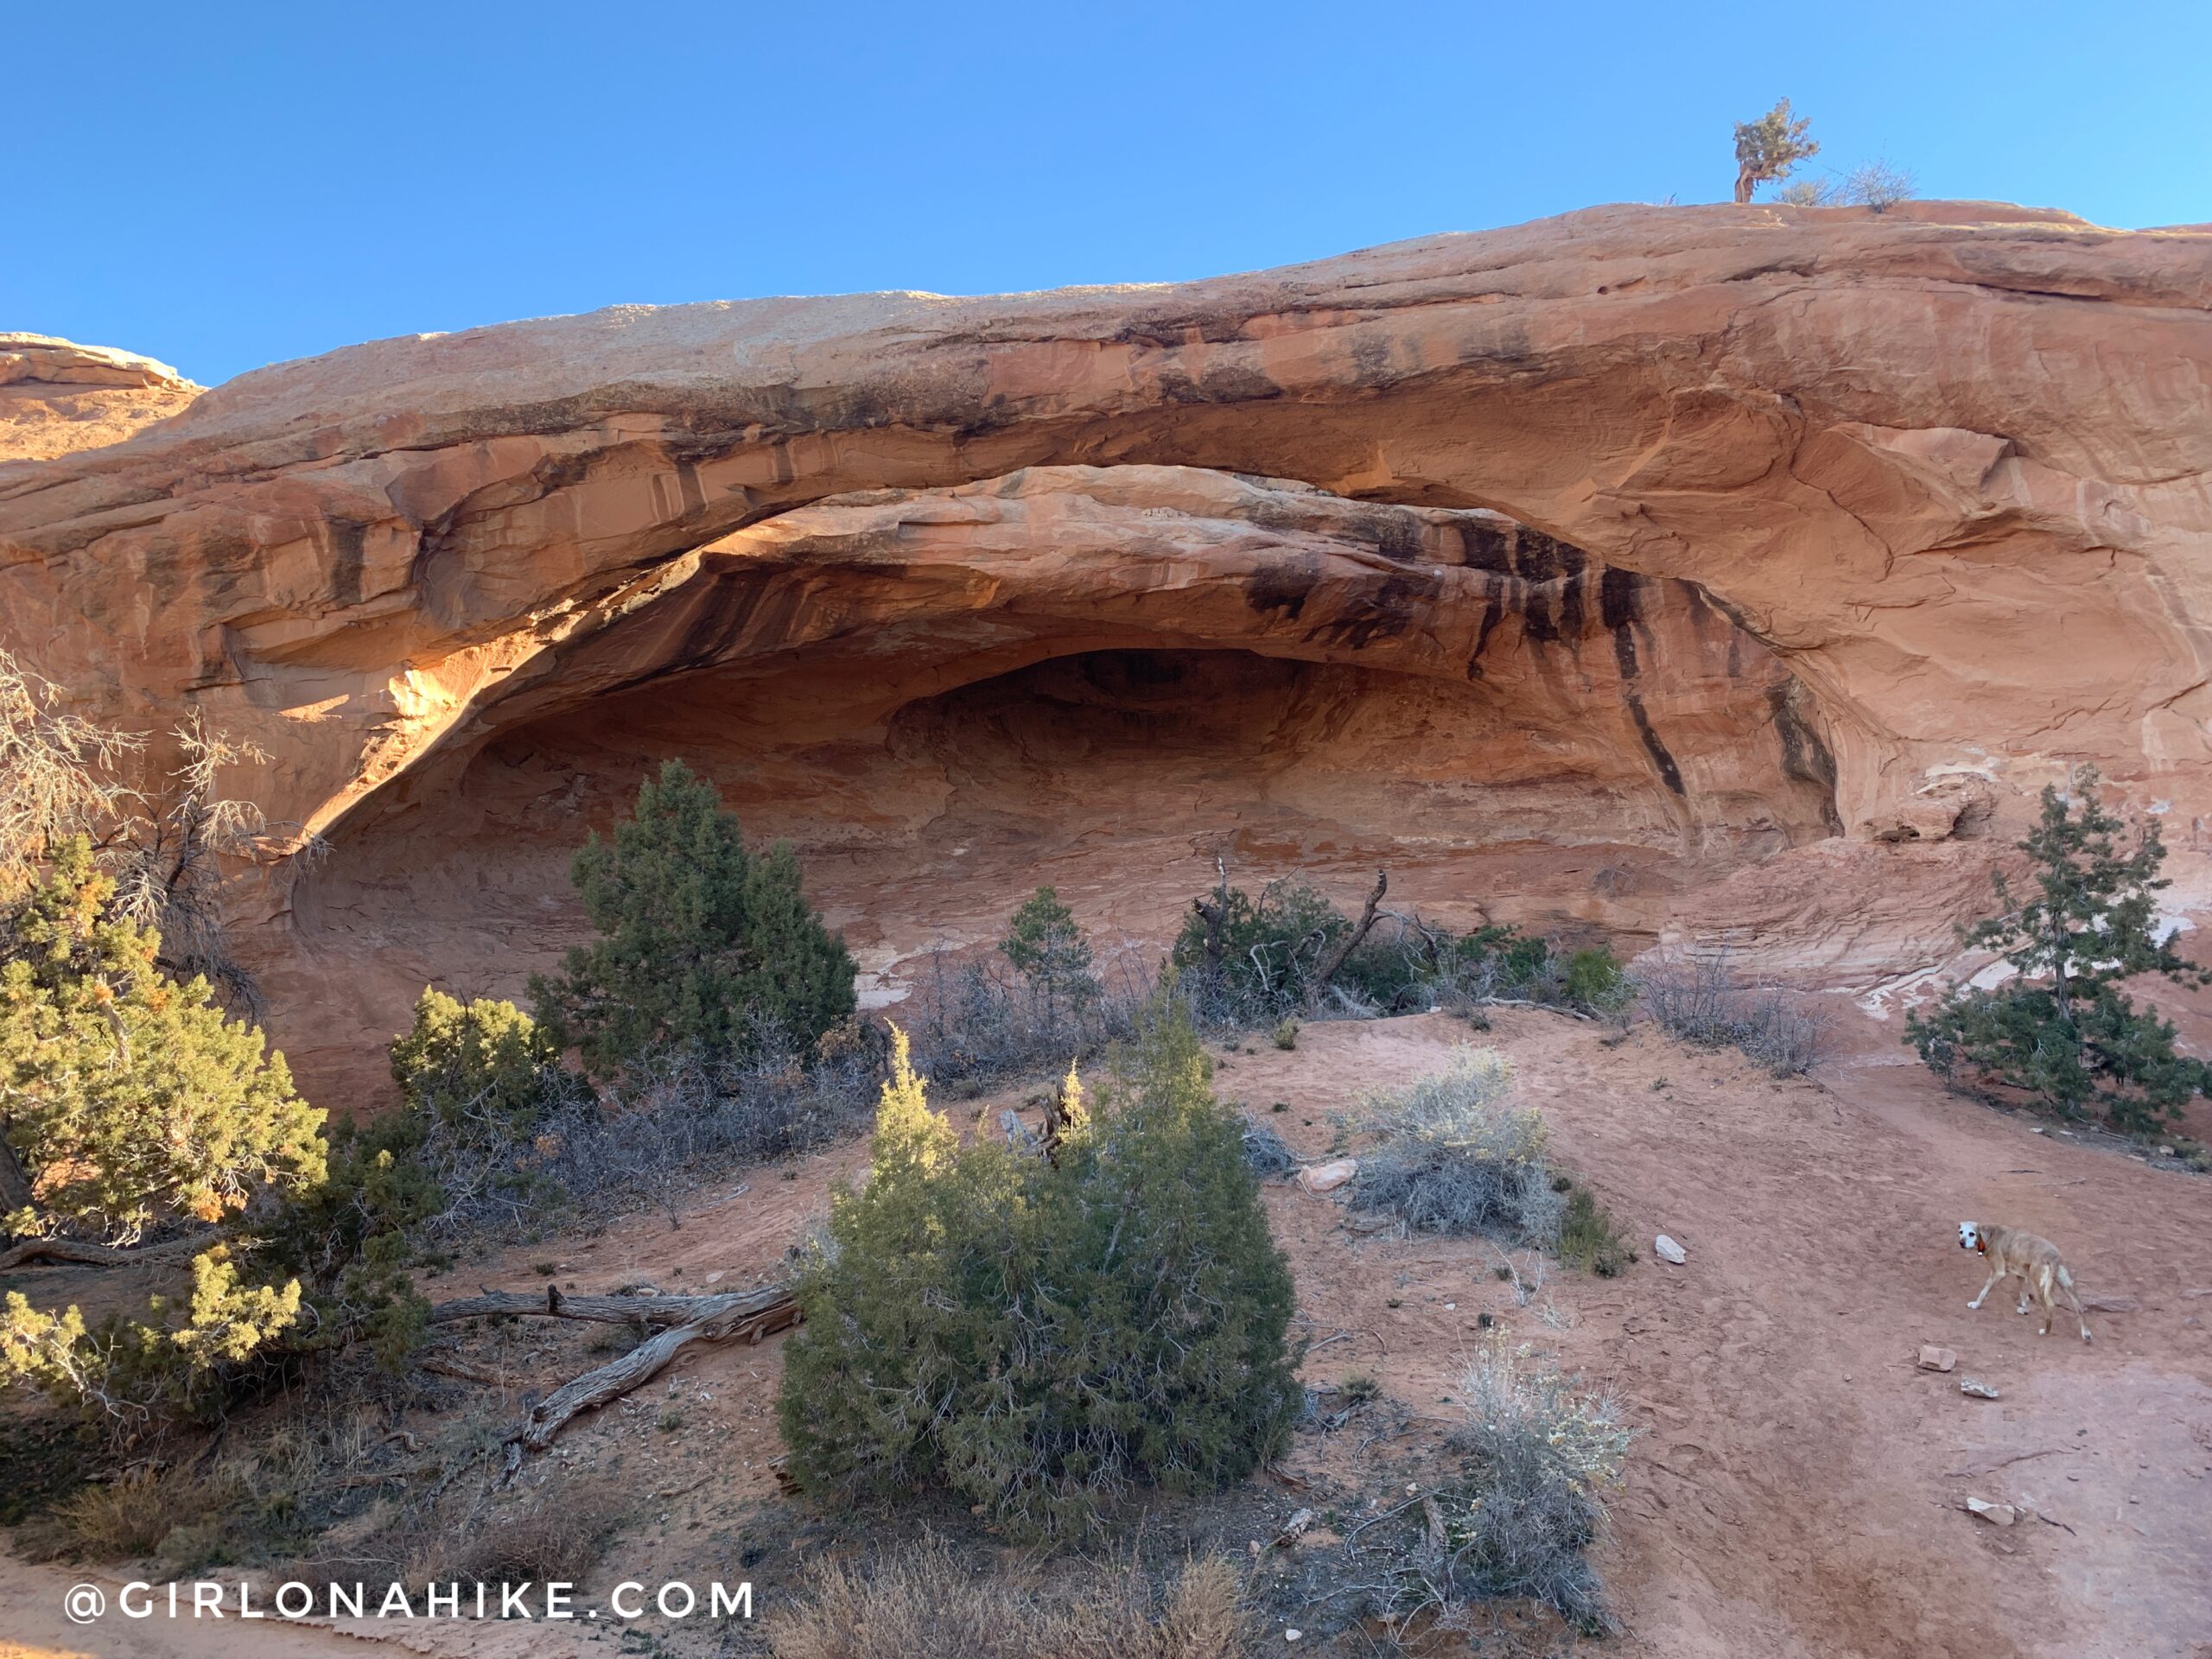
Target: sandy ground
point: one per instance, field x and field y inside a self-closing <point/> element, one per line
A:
<point x="1798" y="1484"/>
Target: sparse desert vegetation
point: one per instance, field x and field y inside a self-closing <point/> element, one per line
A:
<point x="1694" y="997"/>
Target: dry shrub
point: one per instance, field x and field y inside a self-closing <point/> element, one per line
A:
<point x="1451" y="1157"/>
<point x="1267" y="1155"/>
<point x="972" y="1027"/>
<point x="558" y="1538"/>
<point x="1543" y="1456"/>
<point x="1879" y="186"/>
<point x="1515" y="1519"/>
<point x="127" y="1519"/>
<point x="1695" y="1000"/>
<point x="922" y="1599"/>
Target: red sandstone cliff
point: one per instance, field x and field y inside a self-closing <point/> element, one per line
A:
<point x="1704" y="569"/>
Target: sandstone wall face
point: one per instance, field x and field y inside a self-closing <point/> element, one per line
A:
<point x="1865" y="527"/>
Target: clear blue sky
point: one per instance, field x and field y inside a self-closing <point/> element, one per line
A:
<point x="228" y="185"/>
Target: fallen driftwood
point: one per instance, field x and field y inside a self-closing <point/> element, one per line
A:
<point x="684" y="1320"/>
<point x="605" y="1310"/>
<point x="60" y="1252"/>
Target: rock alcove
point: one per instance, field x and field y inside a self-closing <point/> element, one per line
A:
<point x="1101" y="678"/>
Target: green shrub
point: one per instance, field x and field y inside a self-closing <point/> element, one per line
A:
<point x="1048" y="950"/>
<point x="1260" y="954"/>
<point x="129" y="1098"/>
<point x="1597" y="981"/>
<point x="1286" y="1034"/>
<point x="1588" y="1237"/>
<point x="1253" y="960"/>
<point x="702" y="944"/>
<point x="483" y="1063"/>
<point x="352" y="1238"/>
<point x="129" y="1377"/>
<point x="1036" y="1334"/>
<point x="2062" y="1031"/>
<point x="1769" y="148"/>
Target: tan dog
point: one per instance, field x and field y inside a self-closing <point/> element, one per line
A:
<point x="2034" y="1261"/>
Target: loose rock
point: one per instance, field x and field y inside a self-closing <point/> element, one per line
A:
<point x="1938" y="1359"/>
<point x="1327" y="1178"/>
<point x="1998" y="1515"/>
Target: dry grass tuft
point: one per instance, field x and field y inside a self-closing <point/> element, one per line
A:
<point x="922" y="1599"/>
<point x="560" y="1537"/>
<point x="127" y="1519"/>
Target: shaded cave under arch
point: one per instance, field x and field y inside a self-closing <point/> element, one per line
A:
<point x="942" y="712"/>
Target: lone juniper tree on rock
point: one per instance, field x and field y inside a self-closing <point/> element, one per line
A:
<point x="2062" y="1030"/>
<point x="1768" y="148"/>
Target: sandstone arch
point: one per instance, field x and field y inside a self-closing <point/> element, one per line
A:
<point x="1946" y="467"/>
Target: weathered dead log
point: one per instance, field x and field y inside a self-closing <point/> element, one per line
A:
<point x="56" y="1252"/>
<point x="751" y="1314"/>
<point x="1327" y="973"/>
<point x="609" y="1309"/>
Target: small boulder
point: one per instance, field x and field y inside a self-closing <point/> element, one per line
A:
<point x="1666" y="1250"/>
<point x="1998" y="1515"/>
<point x="1327" y="1178"/>
<point x="1938" y="1359"/>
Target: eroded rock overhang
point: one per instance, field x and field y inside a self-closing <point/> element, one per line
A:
<point x="1947" y="468"/>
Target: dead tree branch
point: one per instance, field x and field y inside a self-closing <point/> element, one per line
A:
<point x="1216" y="915"/>
<point x="751" y="1314"/>
<point x="1350" y="942"/>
